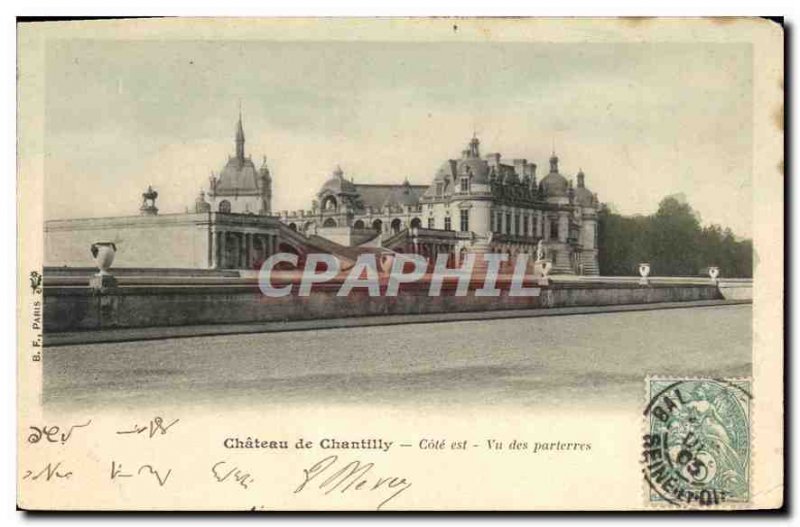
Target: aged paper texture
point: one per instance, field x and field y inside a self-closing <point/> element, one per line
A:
<point x="400" y="264"/>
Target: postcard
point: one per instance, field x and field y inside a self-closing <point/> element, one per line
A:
<point x="400" y="264"/>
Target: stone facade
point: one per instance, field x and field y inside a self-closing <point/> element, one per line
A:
<point x="473" y="204"/>
<point x="186" y="241"/>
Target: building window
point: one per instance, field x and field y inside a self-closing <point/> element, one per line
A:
<point x="464" y="220"/>
<point x="431" y="223"/>
<point x="396" y="225"/>
<point x="225" y="206"/>
<point x="439" y="188"/>
<point x="465" y="184"/>
<point x="491" y="227"/>
<point x="329" y="203"/>
<point x="554" y="229"/>
<point x="516" y="224"/>
<point x="525" y="225"/>
<point x="447" y="225"/>
<point x="508" y="223"/>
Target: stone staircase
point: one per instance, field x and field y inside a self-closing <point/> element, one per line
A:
<point x="590" y="267"/>
<point x="395" y="238"/>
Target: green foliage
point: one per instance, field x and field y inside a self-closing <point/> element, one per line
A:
<point x="672" y="241"/>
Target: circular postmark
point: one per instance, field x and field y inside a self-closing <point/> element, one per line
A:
<point x="696" y="450"/>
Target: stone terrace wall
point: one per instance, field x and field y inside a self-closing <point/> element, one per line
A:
<point x="70" y="307"/>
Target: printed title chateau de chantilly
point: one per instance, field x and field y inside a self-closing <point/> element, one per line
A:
<point x="474" y="203"/>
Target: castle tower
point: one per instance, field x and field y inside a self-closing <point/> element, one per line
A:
<point x="241" y="188"/>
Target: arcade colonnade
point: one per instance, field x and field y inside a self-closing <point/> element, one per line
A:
<point x="240" y="249"/>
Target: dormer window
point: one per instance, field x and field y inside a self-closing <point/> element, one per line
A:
<point x="465" y="184"/>
<point x="439" y="188"/>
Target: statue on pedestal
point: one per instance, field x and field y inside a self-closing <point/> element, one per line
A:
<point x="148" y="207"/>
<point x="542" y="266"/>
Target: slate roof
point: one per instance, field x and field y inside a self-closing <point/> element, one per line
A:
<point x="379" y="196"/>
<point x="238" y="175"/>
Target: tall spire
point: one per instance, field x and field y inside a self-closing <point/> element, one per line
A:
<point x="240" y="135"/>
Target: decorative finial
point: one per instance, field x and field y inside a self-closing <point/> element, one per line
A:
<point x="473" y="146"/>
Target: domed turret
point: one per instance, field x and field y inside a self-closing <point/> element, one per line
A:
<point x="554" y="184"/>
<point x="583" y="196"/>
<point x="337" y="183"/>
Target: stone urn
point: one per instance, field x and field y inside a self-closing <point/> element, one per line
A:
<point x="103" y="253"/>
<point x="713" y="272"/>
<point x="644" y="271"/>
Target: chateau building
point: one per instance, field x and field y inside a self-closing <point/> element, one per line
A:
<point x="473" y="204"/>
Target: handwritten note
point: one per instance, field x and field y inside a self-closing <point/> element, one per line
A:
<point x="154" y="427"/>
<point x="53" y="434"/>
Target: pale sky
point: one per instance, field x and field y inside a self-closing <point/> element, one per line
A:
<point x="642" y="120"/>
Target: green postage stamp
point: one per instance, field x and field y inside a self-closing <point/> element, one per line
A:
<point x="697" y="444"/>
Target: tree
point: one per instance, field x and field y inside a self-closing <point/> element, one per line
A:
<point x="671" y="240"/>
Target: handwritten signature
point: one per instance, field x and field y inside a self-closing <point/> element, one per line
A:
<point x="354" y="476"/>
<point x="49" y="472"/>
<point x="53" y="434"/>
<point x="118" y="472"/>
<point x="223" y="471"/>
<point x="154" y="426"/>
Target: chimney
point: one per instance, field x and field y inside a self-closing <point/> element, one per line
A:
<point x="519" y="167"/>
